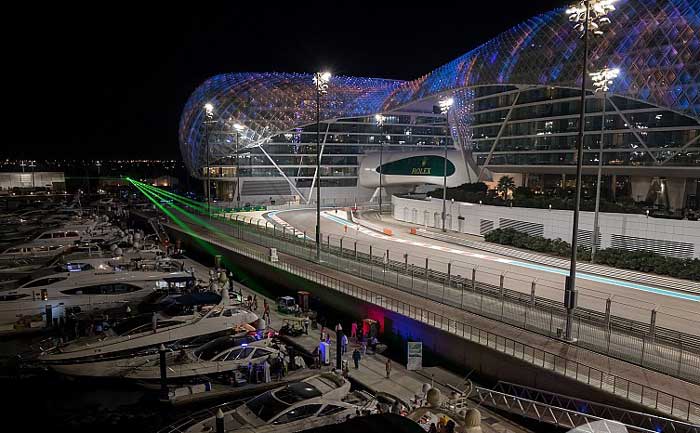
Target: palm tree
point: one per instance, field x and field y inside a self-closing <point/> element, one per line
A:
<point x="505" y="185"/>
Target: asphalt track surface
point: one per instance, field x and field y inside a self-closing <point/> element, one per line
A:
<point x="675" y="310"/>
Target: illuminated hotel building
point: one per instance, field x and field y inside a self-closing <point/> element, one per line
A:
<point x="516" y="112"/>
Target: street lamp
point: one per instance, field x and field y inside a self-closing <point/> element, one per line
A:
<point x="445" y="105"/>
<point x="588" y="16"/>
<point x="321" y="80"/>
<point x="208" y="117"/>
<point x="239" y="128"/>
<point x="32" y="165"/>
<point x="380" y="123"/>
<point x="601" y="80"/>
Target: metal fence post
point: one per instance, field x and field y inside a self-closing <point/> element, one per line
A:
<point x="532" y="292"/>
<point x="652" y="325"/>
<point x="449" y="272"/>
<point x="426" y="275"/>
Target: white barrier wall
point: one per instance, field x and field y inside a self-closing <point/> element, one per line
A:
<point x="676" y="238"/>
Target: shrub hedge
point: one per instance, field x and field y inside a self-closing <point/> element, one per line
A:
<point x="643" y="261"/>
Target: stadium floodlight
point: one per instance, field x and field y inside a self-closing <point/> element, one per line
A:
<point x="321" y="81"/>
<point x="595" y="12"/>
<point x="589" y="16"/>
<point x="445" y="105"/>
<point x="603" y="78"/>
<point x="379" y="119"/>
<point x="209" y="116"/>
<point x="239" y="129"/>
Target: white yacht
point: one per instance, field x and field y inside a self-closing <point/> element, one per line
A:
<point x="87" y="290"/>
<point x="119" y="366"/>
<point x="208" y="359"/>
<point x="319" y="400"/>
<point x="34" y="251"/>
<point x="118" y="343"/>
<point x="89" y="230"/>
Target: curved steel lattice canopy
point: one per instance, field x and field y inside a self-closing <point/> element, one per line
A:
<point x="655" y="44"/>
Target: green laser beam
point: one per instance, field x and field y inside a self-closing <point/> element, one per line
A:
<point x="182" y="199"/>
<point x="205" y="245"/>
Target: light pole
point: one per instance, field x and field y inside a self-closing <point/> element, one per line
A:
<point x="589" y="16"/>
<point x="380" y="123"/>
<point x="32" y="164"/>
<point x="321" y="80"/>
<point x="208" y="117"/>
<point x="601" y="80"/>
<point x="98" y="164"/>
<point x="239" y="128"/>
<point x="445" y="105"/>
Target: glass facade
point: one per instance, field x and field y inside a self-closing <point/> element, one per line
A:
<point x="516" y="105"/>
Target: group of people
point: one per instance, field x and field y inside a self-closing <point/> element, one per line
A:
<point x="263" y="372"/>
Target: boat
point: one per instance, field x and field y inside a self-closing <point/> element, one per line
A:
<point x="35" y="252"/>
<point x="211" y="359"/>
<point x="116" y="367"/>
<point x="123" y="341"/>
<point x="316" y="401"/>
<point x="84" y="290"/>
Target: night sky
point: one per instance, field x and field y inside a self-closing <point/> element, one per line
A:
<point x="94" y="82"/>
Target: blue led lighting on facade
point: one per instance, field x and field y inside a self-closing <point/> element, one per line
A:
<point x="655" y="44"/>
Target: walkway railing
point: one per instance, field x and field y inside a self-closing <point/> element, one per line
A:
<point x="664" y="402"/>
<point x="481" y="291"/>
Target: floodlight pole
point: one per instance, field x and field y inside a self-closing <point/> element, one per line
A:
<point x="238" y="174"/>
<point x="596" y="228"/>
<point x="570" y="293"/>
<point x="318" y="174"/>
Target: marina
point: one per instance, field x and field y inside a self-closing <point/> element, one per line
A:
<point x="290" y="217"/>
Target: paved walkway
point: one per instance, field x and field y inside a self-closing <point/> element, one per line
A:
<point x="614" y="367"/>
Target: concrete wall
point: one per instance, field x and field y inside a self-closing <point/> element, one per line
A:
<point x="678" y="238"/>
<point x="28" y="179"/>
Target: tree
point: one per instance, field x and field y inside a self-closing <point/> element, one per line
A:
<point x="505" y="185"/>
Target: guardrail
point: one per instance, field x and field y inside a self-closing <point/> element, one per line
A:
<point x="657" y="348"/>
<point x="622" y="274"/>
<point x="661" y="401"/>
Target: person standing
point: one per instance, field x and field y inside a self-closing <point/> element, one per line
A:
<point x="356" y="358"/>
<point x="344" y="344"/>
<point x="255" y="302"/>
<point x="266" y="311"/>
<point x="266" y="370"/>
<point x="306" y="325"/>
<point x="353" y="330"/>
<point x="388" y="368"/>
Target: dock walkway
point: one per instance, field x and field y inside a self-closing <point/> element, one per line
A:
<point x="402" y="383"/>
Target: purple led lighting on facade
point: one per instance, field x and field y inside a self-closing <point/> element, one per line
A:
<point x="655" y="44"/>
